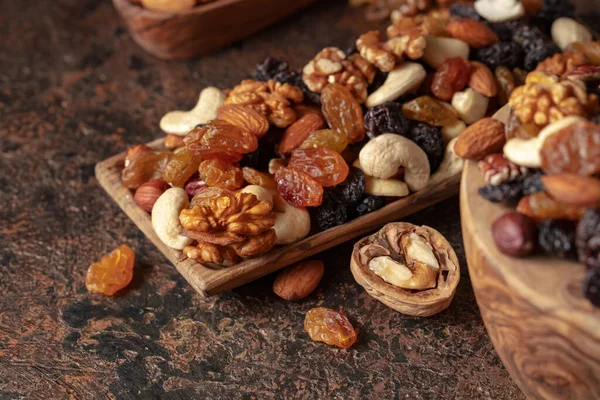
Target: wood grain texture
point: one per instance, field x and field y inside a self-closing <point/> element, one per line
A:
<point x="204" y="28"/>
<point x="546" y="333"/>
<point x="208" y="281"/>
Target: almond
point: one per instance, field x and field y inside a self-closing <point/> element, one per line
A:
<point x="146" y="195"/>
<point x="297" y="133"/>
<point x="573" y="190"/>
<point x="244" y="117"/>
<point x="482" y="80"/>
<point x="299" y="281"/>
<point x="172" y="141"/>
<point x="474" y="33"/>
<point x="484" y="137"/>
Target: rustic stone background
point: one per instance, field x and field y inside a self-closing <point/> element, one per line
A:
<point x="74" y="90"/>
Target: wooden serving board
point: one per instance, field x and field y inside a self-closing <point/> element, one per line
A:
<point x="546" y="333"/>
<point x="202" y="29"/>
<point x="209" y="281"/>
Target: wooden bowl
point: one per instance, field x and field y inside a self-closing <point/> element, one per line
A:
<point x="546" y="333"/>
<point x="201" y="29"/>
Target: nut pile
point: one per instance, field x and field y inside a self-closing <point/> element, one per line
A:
<point x="541" y="151"/>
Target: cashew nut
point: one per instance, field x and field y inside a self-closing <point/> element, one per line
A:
<point x="165" y="218"/>
<point x="450" y="132"/>
<point x="385" y="187"/>
<point x="471" y="106"/>
<point x="499" y="10"/>
<point x="406" y="78"/>
<point x="526" y="152"/>
<point x="291" y="223"/>
<point x="382" y="156"/>
<point x="181" y="122"/>
<point x="439" y="49"/>
<point x="451" y="165"/>
<point x="566" y="31"/>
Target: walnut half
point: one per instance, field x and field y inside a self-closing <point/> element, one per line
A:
<point x="412" y="269"/>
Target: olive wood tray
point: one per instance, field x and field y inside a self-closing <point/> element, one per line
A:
<point x="202" y="29"/>
<point x="546" y="333"/>
<point x="209" y="281"/>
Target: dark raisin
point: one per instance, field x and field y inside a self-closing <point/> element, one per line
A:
<point x="368" y="205"/>
<point x="528" y="36"/>
<point x="379" y="79"/>
<point x="591" y="286"/>
<point x="351" y="49"/>
<point x="539" y="53"/>
<point x="429" y="138"/>
<point x="505" y="29"/>
<point x="465" y="11"/>
<point x="268" y="68"/>
<point x="330" y="214"/>
<point x="508" y="54"/>
<point x="259" y="158"/>
<point x="295" y="78"/>
<point x="508" y="193"/>
<point x="557" y="237"/>
<point x="588" y="239"/>
<point x="351" y="190"/>
<point x="595" y="119"/>
<point x="552" y="10"/>
<point x="386" y="118"/>
<point x="533" y="184"/>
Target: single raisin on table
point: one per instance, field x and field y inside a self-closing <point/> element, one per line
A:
<point x="330" y="327"/>
<point x="330" y="214"/>
<point x="297" y="188"/>
<point x="221" y="174"/>
<point x="268" y="68"/>
<point x="557" y="237"/>
<point x="326" y="166"/>
<point x="429" y="139"/>
<point x="113" y="273"/>
<point x="386" y="118"/>
<point x="451" y="77"/>
<point x="588" y="239"/>
<point x="508" y="54"/>
<point x="508" y="193"/>
<point x="342" y="112"/>
<point x="368" y="205"/>
<point x="351" y="190"/>
<point x="591" y="286"/>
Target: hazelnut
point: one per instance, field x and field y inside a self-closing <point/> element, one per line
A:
<point x="515" y="234"/>
<point x="147" y="194"/>
<point x="134" y="152"/>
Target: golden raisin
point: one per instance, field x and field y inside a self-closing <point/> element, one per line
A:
<point x="326" y="166"/>
<point x="330" y="327"/>
<point x="575" y="149"/>
<point x="181" y="167"/>
<point x="113" y="273"/>
<point x="429" y="110"/>
<point x="144" y="168"/>
<point x="254" y="177"/>
<point x="222" y="174"/>
<point x="297" y="188"/>
<point x="326" y="138"/>
<point x="342" y="112"/>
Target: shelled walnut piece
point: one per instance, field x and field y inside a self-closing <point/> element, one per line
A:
<point x="331" y="65"/>
<point x="228" y="227"/>
<point x="272" y="99"/>
<point x="410" y="268"/>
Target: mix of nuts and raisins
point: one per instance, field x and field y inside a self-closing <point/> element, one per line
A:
<point x="541" y="151"/>
<point x="250" y="167"/>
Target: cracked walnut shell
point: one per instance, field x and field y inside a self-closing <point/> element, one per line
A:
<point x="542" y="104"/>
<point x="412" y="269"/>
<point x="331" y="65"/>
<point x="272" y="99"/>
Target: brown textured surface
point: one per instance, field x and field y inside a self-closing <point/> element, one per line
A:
<point x="74" y="89"/>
